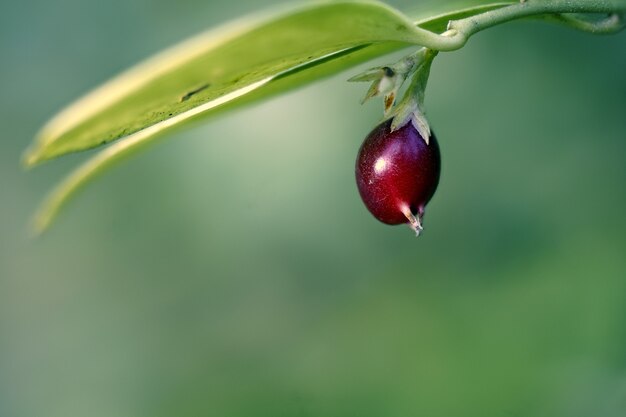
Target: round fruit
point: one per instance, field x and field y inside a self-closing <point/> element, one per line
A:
<point x="397" y="174"/>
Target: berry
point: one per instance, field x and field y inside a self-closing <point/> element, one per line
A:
<point x="397" y="174"/>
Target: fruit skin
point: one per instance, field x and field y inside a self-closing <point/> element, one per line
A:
<point x="397" y="173"/>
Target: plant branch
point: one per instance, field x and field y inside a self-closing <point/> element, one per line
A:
<point x="459" y="31"/>
<point x="610" y="24"/>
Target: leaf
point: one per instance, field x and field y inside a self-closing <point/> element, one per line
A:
<point x="222" y="69"/>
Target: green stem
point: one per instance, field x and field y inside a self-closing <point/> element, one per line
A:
<point x="610" y="24"/>
<point x="411" y="108"/>
<point x="459" y="31"/>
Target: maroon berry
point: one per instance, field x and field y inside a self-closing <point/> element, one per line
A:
<point x="397" y="173"/>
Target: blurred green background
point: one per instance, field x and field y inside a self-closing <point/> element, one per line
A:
<point x="232" y="270"/>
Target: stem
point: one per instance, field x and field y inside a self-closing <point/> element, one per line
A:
<point x="388" y="80"/>
<point x="411" y="108"/>
<point x="610" y="24"/>
<point x="459" y="31"/>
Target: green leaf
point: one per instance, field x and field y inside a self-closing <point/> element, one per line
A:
<point x="242" y="55"/>
<point x="225" y="68"/>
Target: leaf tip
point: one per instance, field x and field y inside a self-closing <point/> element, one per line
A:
<point x="29" y="158"/>
<point x="38" y="224"/>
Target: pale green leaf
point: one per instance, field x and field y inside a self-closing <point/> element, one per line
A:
<point x="227" y="67"/>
